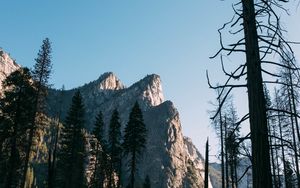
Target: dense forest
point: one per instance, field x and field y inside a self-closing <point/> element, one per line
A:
<point x="76" y="157"/>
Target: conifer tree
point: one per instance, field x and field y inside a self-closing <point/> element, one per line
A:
<point x="70" y="168"/>
<point x="40" y="74"/>
<point x="53" y="146"/>
<point x="134" y="139"/>
<point x="15" y="118"/>
<point x="114" y="148"/>
<point x="147" y="183"/>
<point x="100" y="152"/>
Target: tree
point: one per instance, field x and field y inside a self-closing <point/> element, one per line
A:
<point x="71" y="156"/>
<point x="114" y="148"/>
<point x="40" y="75"/>
<point x="53" y="145"/>
<point x="279" y="123"/>
<point x="219" y="125"/>
<point x="147" y="183"/>
<point x="206" y="166"/>
<point x="100" y="152"/>
<point x="262" y="38"/>
<point x="15" y="118"/>
<point x="134" y="139"/>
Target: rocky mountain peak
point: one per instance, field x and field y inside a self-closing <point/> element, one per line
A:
<point x="170" y="159"/>
<point x="109" y="81"/>
<point x="7" y="66"/>
<point x="151" y="89"/>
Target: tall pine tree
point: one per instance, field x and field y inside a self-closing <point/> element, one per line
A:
<point x="70" y="167"/>
<point x="115" y="149"/>
<point x="99" y="150"/>
<point x="15" y="118"/>
<point x="134" y="139"/>
<point x="40" y="74"/>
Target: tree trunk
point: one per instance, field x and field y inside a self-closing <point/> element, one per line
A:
<point x="294" y="140"/>
<point x="281" y="138"/>
<point x="272" y="155"/>
<point x="262" y="177"/>
<point x="11" y="177"/>
<point x="206" y="166"/>
<point x="222" y="143"/>
<point x="132" y="169"/>
<point x="226" y="154"/>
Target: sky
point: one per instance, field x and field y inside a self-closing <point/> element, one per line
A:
<point x="132" y="38"/>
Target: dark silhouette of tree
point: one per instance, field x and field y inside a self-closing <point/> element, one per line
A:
<point x="206" y="165"/>
<point x="15" y="118"/>
<point x="262" y="38"/>
<point x="134" y="139"/>
<point x="53" y="146"/>
<point x="100" y="152"/>
<point x="70" y="164"/>
<point x="40" y="74"/>
<point x="219" y="125"/>
<point x="114" y="149"/>
<point x="147" y="183"/>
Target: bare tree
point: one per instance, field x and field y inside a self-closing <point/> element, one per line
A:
<point x="262" y="40"/>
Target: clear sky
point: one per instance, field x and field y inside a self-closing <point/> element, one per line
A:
<point x="131" y="38"/>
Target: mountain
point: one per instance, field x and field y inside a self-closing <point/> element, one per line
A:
<point x="170" y="159"/>
<point x="7" y="65"/>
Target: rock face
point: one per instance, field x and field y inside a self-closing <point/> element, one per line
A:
<point x="170" y="159"/>
<point x="7" y="66"/>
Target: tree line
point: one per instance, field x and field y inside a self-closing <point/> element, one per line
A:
<point x="74" y="157"/>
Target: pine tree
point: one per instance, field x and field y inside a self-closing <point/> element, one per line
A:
<point x="40" y="74"/>
<point x="114" y="148"/>
<point x="70" y="168"/>
<point x="15" y="118"/>
<point x="100" y="152"/>
<point x="134" y="139"/>
<point x="53" y="146"/>
<point x="147" y="183"/>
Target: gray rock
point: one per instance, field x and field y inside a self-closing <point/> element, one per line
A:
<point x="170" y="159"/>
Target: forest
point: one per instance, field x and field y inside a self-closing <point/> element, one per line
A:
<point x="76" y="157"/>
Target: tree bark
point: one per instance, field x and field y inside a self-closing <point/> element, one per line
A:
<point x="262" y="177"/>
<point x="222" y="143"/>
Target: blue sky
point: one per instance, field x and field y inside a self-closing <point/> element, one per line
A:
<point x="132" y="39"/>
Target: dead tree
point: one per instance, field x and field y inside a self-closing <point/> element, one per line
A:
<point x="262" y="39"/>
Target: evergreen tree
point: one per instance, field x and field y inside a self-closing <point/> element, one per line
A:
<point x="100" y="152"/>
<point x="70" y="168"/>
<point x="134" y="139"/>
<point x="40" y="74"/>
<point x="114" y="148"/>
<point x="15" y="118"/>
<point x="53" y="146"/>
<point x="147" y="183"/>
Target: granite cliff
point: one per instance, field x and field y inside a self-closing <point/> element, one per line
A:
<point x="170" y="159"/>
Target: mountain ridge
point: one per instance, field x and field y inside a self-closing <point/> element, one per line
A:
<point x="170" y="159"/>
